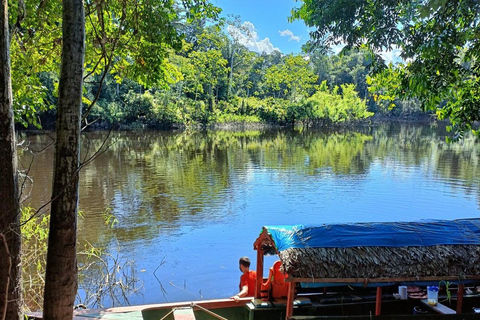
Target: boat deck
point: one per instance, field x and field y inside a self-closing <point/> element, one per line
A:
<point x="119" y="313"/>
<point x="330" y="308"/>
<point x="135" y="312"/>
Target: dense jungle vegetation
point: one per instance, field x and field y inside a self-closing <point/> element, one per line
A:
<point x="213" y="78"/>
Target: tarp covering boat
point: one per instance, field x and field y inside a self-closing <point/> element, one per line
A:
<point x="374" y="254"/>
<point x="387" y="234"/>
<point x="413" y="250"/>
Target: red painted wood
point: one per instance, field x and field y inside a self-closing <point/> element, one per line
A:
<point x="460" y="298"/>
<point x="259" y="270"/>
<point x="290" y="297"/>
<point x="378" y="305"/>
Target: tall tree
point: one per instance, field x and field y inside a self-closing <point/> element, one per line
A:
<point x="9" y="191"/>
<point x="293" y="79"/>
<point x="438" y="40"/>
<point x="61" y="274"/>
<point x="5" y="266"/>
<point x="238" y="33"/>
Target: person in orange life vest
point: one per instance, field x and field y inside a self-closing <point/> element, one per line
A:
<point x="247" y="280"/>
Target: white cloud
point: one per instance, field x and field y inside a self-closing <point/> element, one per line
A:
<point x="337" y="48"/>
<point x="290" y="35"/>
<point x="392" y="56"/>
<point x="247" y="35"/>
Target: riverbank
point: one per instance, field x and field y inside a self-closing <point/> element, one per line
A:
<point x="144" y="124"/>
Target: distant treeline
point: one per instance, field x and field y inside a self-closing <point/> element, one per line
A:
<point x="215" y="79"/>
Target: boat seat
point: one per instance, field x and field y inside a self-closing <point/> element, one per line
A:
<point x="440" y="308"/>
<point x="183" y="313"/>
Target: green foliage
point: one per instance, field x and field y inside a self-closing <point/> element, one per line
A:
<point x="135" y="77"/>
<point x="293" y="79"/>
<point x="273" y="110"/>
<point x="34" y="50"/>
<point x="128" y="39"/>
<point x="333" y="107"/>
<point x="229" y="117"/>
<point x="133" y="39"/>
<point x="92" y="260"/>
<point x="350" y="66"/>
<point x="34" y="250"/>
<point x="438" y="40"/>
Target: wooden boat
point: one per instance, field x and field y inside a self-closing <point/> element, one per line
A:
<point x="343" y="304"/>
<point x="199" y="310"/>
<point x="352" y="271"/>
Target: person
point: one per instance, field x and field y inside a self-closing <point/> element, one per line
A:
<point x="275" y="287"/>
<point x="247" y="280"/>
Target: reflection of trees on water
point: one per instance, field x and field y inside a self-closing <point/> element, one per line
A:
<point x="153" y="180"/>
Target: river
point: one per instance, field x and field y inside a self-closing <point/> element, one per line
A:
<point x="189" y="204"/>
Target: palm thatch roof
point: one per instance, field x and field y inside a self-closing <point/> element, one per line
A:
<point x="356" y="253"/>
<point x="382" y="262"/>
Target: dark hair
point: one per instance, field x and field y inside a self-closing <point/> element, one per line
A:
<point x="244" y="261"/>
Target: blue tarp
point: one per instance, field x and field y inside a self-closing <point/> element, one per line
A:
<point x="385" y="234"/>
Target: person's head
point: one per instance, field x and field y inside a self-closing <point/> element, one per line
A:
<point x="244" y="263"/>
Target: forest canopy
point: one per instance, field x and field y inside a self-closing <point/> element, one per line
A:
<point x="168" y="66"/>
<point x="438" y="41"/>
<point x="181" y="65"/>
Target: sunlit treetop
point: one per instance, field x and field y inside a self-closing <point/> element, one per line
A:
<point x="438" y="40"/>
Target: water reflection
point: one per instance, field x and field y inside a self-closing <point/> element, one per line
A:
<point x="190" y="199"/>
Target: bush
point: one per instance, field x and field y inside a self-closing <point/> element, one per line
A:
<point x="337" y="108"/>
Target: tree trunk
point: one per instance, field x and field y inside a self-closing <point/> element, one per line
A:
<point x="230" y="78"/>
<point x="61" y="275"/>
<point x="5" y="266"/>
<point x="9" y="192"/>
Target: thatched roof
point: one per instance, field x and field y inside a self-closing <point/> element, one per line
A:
<point x="447" y="253"/>
<point x="382" y="262"/>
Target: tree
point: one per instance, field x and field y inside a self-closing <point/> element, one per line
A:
<point x="237" y="32"/>
<point x="35" y="51"/>
<point x="209" y="64"/>
<point x="9" y="190"/>
<point x="294" y="78"/>
<point x="438" y="40"/>
<point x="348" y="67"/>
<point x="5" y="266"/>
<point x="61" y="274"/>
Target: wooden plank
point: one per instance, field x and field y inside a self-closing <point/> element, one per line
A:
<point x="378" y="302"/>
<point x="259" y="279"/>
<point x="460" y="298"/>
<point x="208" y="304"/>
<point x="184" y="313"/>
<point x="290" y="298"/>
<point x="440" y="308"/>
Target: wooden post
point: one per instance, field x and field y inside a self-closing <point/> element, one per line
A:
<point x="460" y="298"/>
<point x="259" y="282"/>
<point x="378" y="305"/>
<point x="290" y="297"/>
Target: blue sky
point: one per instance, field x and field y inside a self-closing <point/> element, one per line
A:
<point x="269" y="28"/>
<point x="268" y="22"/>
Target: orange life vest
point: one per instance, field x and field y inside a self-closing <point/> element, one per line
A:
<point x="275" y="286"/>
